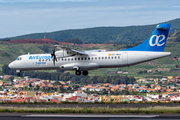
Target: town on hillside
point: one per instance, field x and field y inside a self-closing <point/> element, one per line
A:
<point x="24" y="89"/>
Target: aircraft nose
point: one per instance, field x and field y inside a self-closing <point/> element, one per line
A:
<point x="10" y="65"/>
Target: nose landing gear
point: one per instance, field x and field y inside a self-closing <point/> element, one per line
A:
<point x="18" y="72"/>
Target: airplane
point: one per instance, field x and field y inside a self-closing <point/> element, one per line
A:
<point x="83" y="61"/>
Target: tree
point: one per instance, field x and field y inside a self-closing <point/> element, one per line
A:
<point x="69" y="88"/>
<point x="7" y="70"/>
<point x="37" y="87"/>
<point x="61" y="89"/>
<point x="30" y="84"/>
<point x="140" y="72"/>
<point x="75" y="87"/>
<point x="126" y="92"/>
<point x="148" y="85"/>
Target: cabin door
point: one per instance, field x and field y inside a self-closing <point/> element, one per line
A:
<point x="125" y="58"/>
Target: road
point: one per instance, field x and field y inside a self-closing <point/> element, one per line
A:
<point x="16" y="116"/>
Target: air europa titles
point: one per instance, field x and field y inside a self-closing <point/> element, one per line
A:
<point x="39" y="57"/>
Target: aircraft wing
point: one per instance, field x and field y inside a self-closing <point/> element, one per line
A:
<point x="69" y="50"/>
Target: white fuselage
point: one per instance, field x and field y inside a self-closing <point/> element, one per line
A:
<point x="93" y="60"/>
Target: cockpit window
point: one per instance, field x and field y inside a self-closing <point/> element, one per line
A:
<point x="19" y="58"/>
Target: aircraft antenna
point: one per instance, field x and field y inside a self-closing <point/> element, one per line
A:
<point x="45" y="35"/>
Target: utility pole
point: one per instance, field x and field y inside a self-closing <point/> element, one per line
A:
<point x="45" y="35"/>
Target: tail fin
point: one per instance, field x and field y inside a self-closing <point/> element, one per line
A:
<point x="156" y="42"/>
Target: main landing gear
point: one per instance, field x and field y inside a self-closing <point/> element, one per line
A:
<point x="85" y="72"/>
<point x="78" y="72"/>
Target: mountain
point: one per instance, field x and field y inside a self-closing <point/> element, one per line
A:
<point x="38" y="41"/>
<point x="130" y="34"/>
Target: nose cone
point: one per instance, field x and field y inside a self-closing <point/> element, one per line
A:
<point x="10" y="65"/>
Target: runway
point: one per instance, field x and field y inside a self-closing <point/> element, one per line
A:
<point x="17" y="116"/>
<point x="93" y="105"/>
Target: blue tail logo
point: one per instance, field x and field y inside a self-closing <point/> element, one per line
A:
<point x="156" y="42"/>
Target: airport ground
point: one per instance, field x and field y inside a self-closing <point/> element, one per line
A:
<point x="133" y="105"/>
<point x="149" y="109"/>
<point x="17" y="116"/>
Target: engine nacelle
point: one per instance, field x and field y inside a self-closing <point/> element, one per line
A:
<point x="62" y="53"/>
<point x="82" y="66"/>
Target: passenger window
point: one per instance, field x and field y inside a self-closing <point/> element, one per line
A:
<point x="111" y="57"/>
<point x="99" y="58"/>
<point x="108" y="57"/>
<point x="81" y="58"/>
<point x="62" y="59"/>
<point x="115" y="57"/>
<point x="85" y="58"/>
<point x="46" y="59"/>
<point x="92" y="58"/>
<point x="68" y="59"/>
<point x="49" y="59"/>
<point x="118" y="57"/>
<point x="95" y="57"/>
<point x="39" y="60"/>
<point x="78" y="58"/>
<point x="74" y="58"/>
<point x="105" y="57"/>
<point x="88" y="58"/>
<point x="65" y="59"/>
<point x="42" y="59"/>
<point x="102" y="57"/>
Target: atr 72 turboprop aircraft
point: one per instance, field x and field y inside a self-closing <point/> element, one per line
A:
<point x="83" y="61"/>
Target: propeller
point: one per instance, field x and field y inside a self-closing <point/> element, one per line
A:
<point x="53" y="56"/>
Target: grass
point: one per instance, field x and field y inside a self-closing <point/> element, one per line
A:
<point x="96" y="110"/>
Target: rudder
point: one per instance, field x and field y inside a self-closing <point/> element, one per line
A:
<point x="156" y="42"/>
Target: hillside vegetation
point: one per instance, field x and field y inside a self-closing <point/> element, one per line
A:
<point x="131" y="34"/>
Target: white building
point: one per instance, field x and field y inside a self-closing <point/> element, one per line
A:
<point x="154" y="96"/>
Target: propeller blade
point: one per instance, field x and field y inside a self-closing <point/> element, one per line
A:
<point x="54" y="61"/>
<point x="53" y="56"/>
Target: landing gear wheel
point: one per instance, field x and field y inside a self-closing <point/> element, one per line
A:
<point x="18" y="74"/>
<point x="78" y="72"/>
<point x="85" y="73"/>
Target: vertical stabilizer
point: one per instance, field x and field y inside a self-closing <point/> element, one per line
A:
<point x="156" y="42"/>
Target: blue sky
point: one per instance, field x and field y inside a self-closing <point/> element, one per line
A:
<point x="18" y="17"/>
